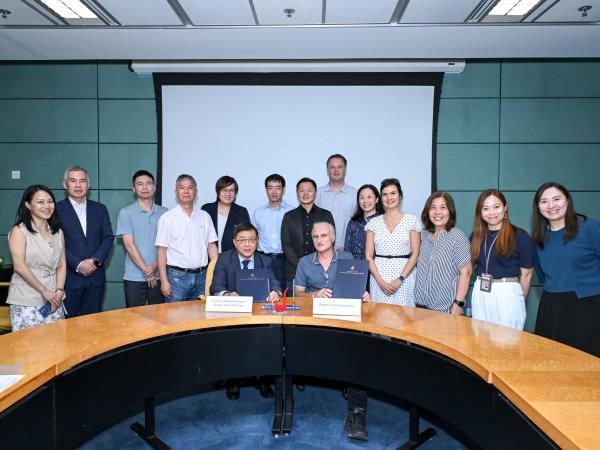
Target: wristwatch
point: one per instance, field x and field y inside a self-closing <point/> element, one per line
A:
<point x="402" y="278"/>
<point x="460" y="303"/>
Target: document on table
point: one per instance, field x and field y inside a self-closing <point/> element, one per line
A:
<point x="7" y="381"/>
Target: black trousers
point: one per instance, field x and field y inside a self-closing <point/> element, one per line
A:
<point x="84" y="300"/>
<point x="138" y="293"/>
<point x="573" y="321"/>
<point x="357" y="398"/>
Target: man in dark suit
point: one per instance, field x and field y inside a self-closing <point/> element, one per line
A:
<point x="242" y="257"/>
<point x="88" y="240"/>
<point x="296" y="228"/>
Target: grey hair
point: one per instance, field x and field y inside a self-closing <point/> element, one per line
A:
<point x="75" y="169"/>
<point x="330" y="226"/>
<point x="185" y="176"/>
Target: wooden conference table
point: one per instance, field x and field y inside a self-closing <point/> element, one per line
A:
<point x="501" y="387"/>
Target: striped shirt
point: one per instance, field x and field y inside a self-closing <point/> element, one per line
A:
<point x="438" y="266"/>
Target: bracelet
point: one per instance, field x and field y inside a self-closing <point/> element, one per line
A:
<point x="59" y="289"/>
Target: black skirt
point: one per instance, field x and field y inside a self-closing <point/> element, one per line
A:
<point x="573" y="321"/>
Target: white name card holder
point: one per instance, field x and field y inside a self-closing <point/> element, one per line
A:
<point x="337" y="306"/>
<point x="228" y="303"/>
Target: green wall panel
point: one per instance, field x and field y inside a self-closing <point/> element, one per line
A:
<point x="48" y="121"/>
<point x="114" y="201"/>
<point x="48" y="80"/>
<point x="114" y="298"/>
<point x="550" y="120"/>
<point x="531" y="304"/>
<point x="587" y="203"/>
<point x="520" y="206"/>
<point x="118" y="163"/>
<point x="115" y="80"/>
<point x="551" y="79"/>
<point x="465" y="207"/>
<point x="4" y="250"/>
<point x="45" y="163"/>
<point x="116" y="262"/>
<point x="463" y="167"/>
<point x="127" y="121"/>
<point x="9" y="202"/>
<point x="527" y="166"/>
<point x="468" y="120"/>
<point x="479" y="79"/>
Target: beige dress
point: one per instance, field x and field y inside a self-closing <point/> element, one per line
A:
<point x="43" y="258"/>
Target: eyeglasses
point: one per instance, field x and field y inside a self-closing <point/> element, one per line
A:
<point x="390" y="180"/>
<point x="246" y="241"/>
<point x="146" y="183"/>
<point x="228" y="191"/>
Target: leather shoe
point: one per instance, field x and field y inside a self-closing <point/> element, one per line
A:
<point x="233" y="392"/>
<point x="265" y="390"/>
<point x="355" y="424"/>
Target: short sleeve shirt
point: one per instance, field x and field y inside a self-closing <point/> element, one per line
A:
<point x="186" y="237"/>
<point x="311" y="275"/>
<point x="505" y="266"/>
<point x="142" y="225"/>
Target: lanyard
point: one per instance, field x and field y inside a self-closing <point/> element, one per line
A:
<point x="486" y="253"/>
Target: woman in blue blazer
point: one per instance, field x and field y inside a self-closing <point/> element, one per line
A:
<point x="224" y="213"/>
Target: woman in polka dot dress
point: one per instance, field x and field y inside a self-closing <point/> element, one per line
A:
<point x="392" y="249"/>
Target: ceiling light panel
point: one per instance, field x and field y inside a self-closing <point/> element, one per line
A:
<point x="436" y="11"/>
<point x="356" y="12"/>
<point x="567" y="11"/>
<point x="512" y="10"/>
<point x="141" y="12"/>
<point x="306" y="12"/>
<point x="70" y="9"/>
<point x="219" y="12"/>
<point x="21" y="14"/>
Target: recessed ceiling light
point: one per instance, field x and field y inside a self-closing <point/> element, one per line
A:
<point x="73" y="11"/>
<point x="511" y="10"/>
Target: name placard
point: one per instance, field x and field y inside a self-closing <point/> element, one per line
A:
<point x="228" y="303"/>
<point x="337" y="306"/>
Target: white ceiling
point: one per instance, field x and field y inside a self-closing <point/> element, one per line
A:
<point x="318" y="29"/>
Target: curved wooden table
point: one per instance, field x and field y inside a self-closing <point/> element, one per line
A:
<point x="87" y="370"/>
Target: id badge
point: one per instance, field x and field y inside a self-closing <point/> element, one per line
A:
<point x="485" y="282"/>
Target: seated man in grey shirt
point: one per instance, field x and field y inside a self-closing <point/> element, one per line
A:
<point x="316" y="275"/>
<point x="137" y="226"/>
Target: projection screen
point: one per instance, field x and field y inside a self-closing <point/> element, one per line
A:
<point x="248" y="131"/>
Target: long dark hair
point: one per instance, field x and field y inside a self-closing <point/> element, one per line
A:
<point x="539" y="224"/>
<point x="358" y="214"/>
<point x="24" y="214"/>
<point x="507" y="236"/>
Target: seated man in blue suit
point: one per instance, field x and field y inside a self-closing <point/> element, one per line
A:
<point x="88" y="240"/>
<point x="242" y="257"/>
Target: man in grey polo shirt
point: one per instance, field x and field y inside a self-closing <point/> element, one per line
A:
<point x="315" y="275"/>
<point x="337" y="196"/>
<point x="137" y="226"/>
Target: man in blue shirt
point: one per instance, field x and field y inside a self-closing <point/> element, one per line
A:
<point x="137" y="226"/>
<point x="267" y="219"/>
<point x="315" y="275"/>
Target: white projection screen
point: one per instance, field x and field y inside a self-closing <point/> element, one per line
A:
<point x="249" y="131"/>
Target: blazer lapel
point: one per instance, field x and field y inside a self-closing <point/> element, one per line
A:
<point x="75" y="218"/>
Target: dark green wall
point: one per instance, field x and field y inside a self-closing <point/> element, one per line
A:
<point x="504" y="124"/>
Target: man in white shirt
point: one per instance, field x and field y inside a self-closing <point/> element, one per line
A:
<point x="88" y="241"/>
<point x="337" y="197"/>
<point x="267" y="219"/>
<point x="186" y="239"/>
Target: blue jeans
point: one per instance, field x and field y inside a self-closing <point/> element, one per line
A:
<point x="185" y="285"/>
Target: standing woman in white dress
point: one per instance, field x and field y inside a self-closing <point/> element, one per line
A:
<point x="37" y="249"/>
<point x="392" y="249"/>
